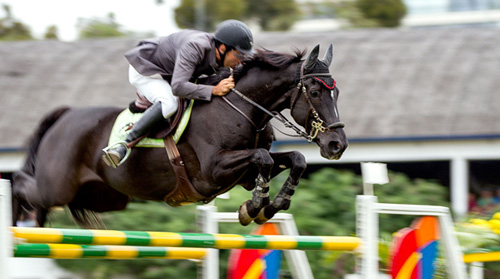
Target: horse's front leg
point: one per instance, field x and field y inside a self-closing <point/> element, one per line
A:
<point x="249" y="210"/>
<point x="294" y="161"/>
<point x="231" y="162"/>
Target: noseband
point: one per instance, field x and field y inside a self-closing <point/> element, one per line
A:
<point x="317" y="124"/>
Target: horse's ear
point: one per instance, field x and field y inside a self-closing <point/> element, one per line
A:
<point x="327" y="59"/>
<point x="311" y="59"/>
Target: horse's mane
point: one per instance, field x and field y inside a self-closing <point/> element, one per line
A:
<point x="264" y="59"/>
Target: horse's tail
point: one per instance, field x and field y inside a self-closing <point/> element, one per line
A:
<point x="85" y="218"/>
<point x="34" y="143"/>
<point x="23" y="181"/>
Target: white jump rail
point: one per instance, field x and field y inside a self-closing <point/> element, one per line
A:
<point x="209" y="220"/>
<point x="368" y="210"/>
<point x="5" y="233"/>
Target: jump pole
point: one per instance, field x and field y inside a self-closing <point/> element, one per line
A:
<point x="209" y="219"/>
<point x="195" y="240"/>
<point x="74" y="251"/>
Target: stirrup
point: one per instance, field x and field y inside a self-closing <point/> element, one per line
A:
<point x="111" y="146"/>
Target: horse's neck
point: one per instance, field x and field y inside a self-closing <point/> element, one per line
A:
<point x="268" y="93"/>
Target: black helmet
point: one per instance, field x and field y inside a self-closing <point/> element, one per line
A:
<point x="235" y="34"/>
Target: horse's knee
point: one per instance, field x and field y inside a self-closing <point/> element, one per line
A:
<point x="299" y="163"/>
<point x="264" y="162"/>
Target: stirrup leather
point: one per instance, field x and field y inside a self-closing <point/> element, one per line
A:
<point x="111" y="146"/>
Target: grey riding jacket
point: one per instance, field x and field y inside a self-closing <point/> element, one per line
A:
<point x="178" y="58"/>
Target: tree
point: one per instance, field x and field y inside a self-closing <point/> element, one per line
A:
<point x="12" y="29"/>
<point x="271" y="15"/>
<point x="388" y="13"/>
<point x="214" y="12"/>
<point x="51" y="33"/>
<point x="100" y="28"/>
<point x="354" y="18"/>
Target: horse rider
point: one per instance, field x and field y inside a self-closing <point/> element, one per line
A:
<point x="161" y="70"/>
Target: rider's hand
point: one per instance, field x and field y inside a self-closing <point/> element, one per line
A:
<point x="223" y="87"/>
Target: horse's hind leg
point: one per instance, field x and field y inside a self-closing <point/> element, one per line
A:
<point x="296" y="162"/>
<point x="41" y="216"/>
<point x="24" y="195"/>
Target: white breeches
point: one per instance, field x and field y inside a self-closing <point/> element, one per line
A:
<point x="155" y="89"/>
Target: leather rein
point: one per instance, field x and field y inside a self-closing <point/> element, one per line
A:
<point x="317" y="124"/>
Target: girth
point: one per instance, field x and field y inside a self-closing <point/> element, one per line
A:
<point x="184" y="192"/>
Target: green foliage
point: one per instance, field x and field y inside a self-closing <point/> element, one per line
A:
<point x="100" y="28"/>
<point x="353" y="16"/>
<point x="388" y="13"/>
<point x="324" y="205"/>
<point x="215" y="12"/>
<point x="12" y="29"/>
<point x="271" y="15"/>
<point x="405" y="191"/>
<point x="473" y="237"/>
<point x="278" y="15"/>
<point x="51" y="33"/>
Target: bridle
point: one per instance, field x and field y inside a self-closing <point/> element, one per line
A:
<point x="317" y="124"/>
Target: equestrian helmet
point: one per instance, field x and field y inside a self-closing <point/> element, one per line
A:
<point x="235" y="34"/>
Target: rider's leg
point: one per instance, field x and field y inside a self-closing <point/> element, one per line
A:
<point x="158" y="92"/>
<point x="152" y="116"/>
<point x="154" y="89"/>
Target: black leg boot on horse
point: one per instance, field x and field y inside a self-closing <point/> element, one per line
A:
<point x="116" y="154"/>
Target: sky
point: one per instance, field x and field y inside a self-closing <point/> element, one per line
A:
<point x="132" y="15"/>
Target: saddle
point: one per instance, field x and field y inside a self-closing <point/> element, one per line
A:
<point x="184" y="192"/>
<point x="163" y="128"/>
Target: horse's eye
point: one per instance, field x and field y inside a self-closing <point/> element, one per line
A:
<point x="315" y="94"/>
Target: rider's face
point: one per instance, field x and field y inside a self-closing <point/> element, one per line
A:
<point x="232" y="59"/>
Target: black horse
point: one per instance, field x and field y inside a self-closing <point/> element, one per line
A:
<point x="226" y="143"/>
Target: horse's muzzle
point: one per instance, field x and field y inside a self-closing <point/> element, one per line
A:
<point x="332" y="143"/>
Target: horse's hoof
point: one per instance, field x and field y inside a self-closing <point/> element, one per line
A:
<point x="243" y="215"/>
<point x="261" y="217"/>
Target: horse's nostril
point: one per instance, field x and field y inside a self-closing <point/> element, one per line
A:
<point x="335" y="146"/>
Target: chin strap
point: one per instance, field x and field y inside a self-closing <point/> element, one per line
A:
<point x="221" y="55"/>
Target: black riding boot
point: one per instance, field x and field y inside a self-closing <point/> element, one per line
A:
<point x="115" y="156"/>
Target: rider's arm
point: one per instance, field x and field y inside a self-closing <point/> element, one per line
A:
<point x="188" y="58"/>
